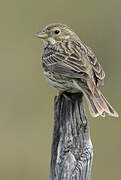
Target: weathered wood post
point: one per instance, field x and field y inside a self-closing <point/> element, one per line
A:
<point x="72" y="151"/>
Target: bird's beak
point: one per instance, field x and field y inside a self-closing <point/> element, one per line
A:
<point x="42" y="35"/>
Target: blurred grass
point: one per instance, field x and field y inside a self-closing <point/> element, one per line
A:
<point x="26" y="100"/>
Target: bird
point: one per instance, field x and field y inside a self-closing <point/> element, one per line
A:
<point x="70" y="66"/>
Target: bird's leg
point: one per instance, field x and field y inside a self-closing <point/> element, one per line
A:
<point x="67" y="97"/>
<point x="63" y="93"/>
<point x="59" y="94"/>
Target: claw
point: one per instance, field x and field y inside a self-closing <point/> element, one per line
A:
<point x="65" y="96"/>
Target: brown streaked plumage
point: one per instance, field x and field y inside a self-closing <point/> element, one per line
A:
<point x="69" y="65"/>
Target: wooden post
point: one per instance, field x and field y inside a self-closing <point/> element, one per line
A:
<point x="72" y="151"/>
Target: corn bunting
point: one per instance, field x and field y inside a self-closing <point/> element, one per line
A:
<point x="70" y="66"/>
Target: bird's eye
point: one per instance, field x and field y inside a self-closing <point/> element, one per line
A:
<point x="56" y="31"/>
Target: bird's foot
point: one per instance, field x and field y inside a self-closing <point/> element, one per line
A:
<point x="66" y="96"/>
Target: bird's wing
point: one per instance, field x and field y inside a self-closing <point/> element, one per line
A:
<point x="98" y="70"/>
<point x="76" y="63"/>
<point x="87" y="54"/>
<point x="65" y="64"/>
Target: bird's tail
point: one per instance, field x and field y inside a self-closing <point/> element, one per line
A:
<point x="97" y="103"/>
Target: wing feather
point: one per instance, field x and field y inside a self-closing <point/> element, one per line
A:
<point x="74" y="61"/>
<point x="100" y="74"/>
<point x="67" y="65"/>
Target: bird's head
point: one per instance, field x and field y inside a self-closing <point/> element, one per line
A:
<point x="54" y="33"/>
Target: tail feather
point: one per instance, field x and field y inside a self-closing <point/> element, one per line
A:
<point x="94" y="107"/>
<point x="98" y="105"/>
<point x="101" y="105"/>
<point x="111" y="110"/>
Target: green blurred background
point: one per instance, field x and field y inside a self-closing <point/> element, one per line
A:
<point x="26" y="100"/>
